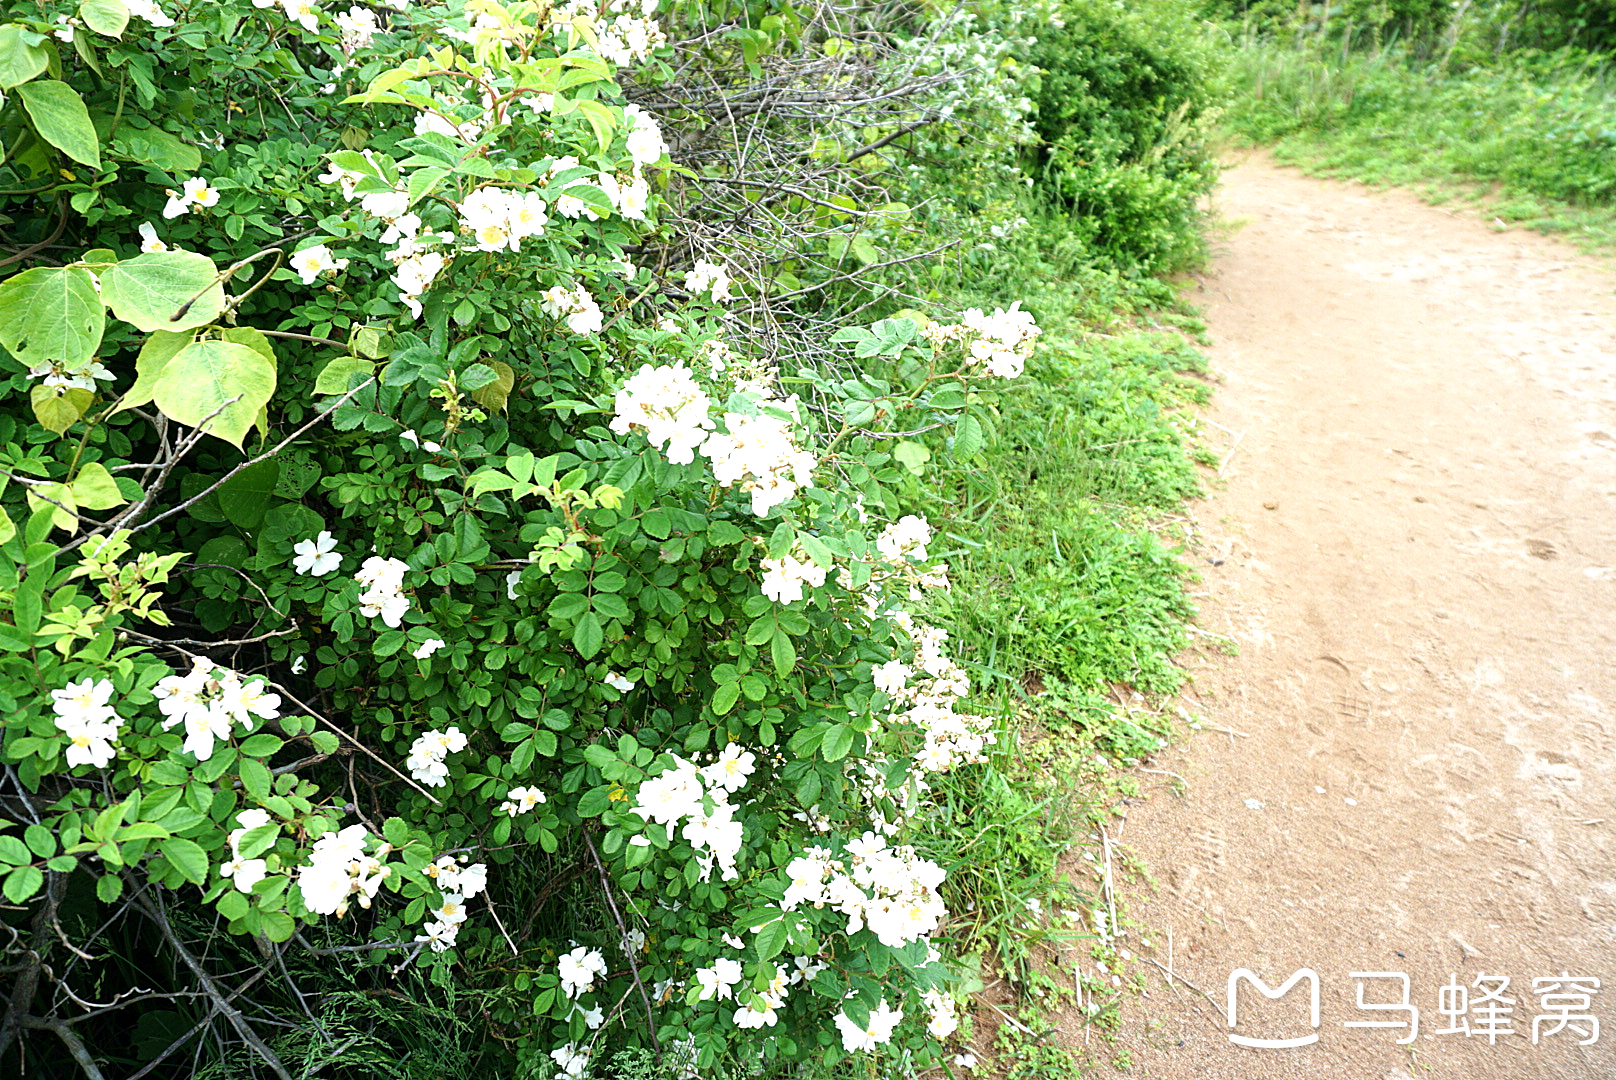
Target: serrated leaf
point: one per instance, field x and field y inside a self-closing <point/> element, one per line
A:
<point x="771" y="939"/>
<point x="187" y="857"/>
<point x="22" y="883"/>
<point x="783" y="652"/>
<point x="164" y="290"/>
<point x="61" y="119"/>
<point x="837" y="742"/>
<point x="51" y="315"/>
<point x="725" y="697"/>
<point x="968" y="440"/>
<point x="587" y="635"/>
<point x="108" y="888"/>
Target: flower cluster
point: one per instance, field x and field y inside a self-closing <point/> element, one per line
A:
<point x="683" y="793"/>
<point x="646" y="145"/>
<point x="208" y="700"/>
<point x="571" y="1059"/>
<point x="926" y="695"/>
<point x="459" y="883"/>
<point x="58" y="377"/>
<point x="783" y="578"/>
<point x="627" y="39"/>
<point x="150" y="11"/>
<point x="905" y="539"/>
<point x="944" y="1019"/>
<point x="873" y="1033"/>
<point x="338" y="868"/>
<point x="357" y="27"/>
<point x="383" y="580"/>
<point x="499" y="219"/>
<point x="193" y="193"/>
<point x="759" y="453"/>
<point x="245" y="872"/>
<point x="669" y="406"/>
<point x="1004" y="340"/>
<point x="427" y="762"/>
<point x="90" y="723"/>
<point x="575" y="306"/>
<point x="891" y="890"/>
<point x="708" y="278"/>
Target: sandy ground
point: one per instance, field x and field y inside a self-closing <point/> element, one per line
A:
<point x="1415" y="550"/>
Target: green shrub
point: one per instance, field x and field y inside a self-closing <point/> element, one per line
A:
<point x="1123" y="106"/>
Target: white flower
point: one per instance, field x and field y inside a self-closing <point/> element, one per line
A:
<point x="512" y="580"/>
<point x="719" y="980"/>
<point x="200" y="192"/>
<point x="64" y="28"/>
<point x="669" y="406"/>
<point x="708" y="277"/>
<point x="311" y="262"/>
<point x="384" y="595"/>
<point x="619" y="683"/>
<point x="571" y="1059"/>
<point x="149" y="243"/>
<point x="578" y="970"/>
<point x="576" y="306"/>
<point x="905" y="539"/>
<point x="966" y="1060"/>
<point x="148" y="10"/>
<point x="300" y="664"/>
<point x="783" y="578"/>
<point x="891" y="677"/>
<point x="943" y="1020"/>
<point x="306" y="13"/>
<point x="875" y="1032"/>
<point x="733" y="766"/>
<point x="245" y="872"/>
<point x="759" y="454"/>
<point x="521" y="800"/>
<point x="317" y="556"/>
<point x="357" y="27"/>
<point x="428" y="647"/>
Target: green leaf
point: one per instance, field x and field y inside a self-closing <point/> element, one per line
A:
<point x="157" y="148"/>
<point x="234" y="904"/>
<point x="41" y="841"/>
<point x="22" y="883"/>
<point x="21" y="56"/>
<point x="109" y="888"/>
<point x="968" y="438"/>
<point x="13" y="851"/>
<point x="187" y="857"/>
<point x="334" y="377"/>
<point x="159" y="349"/>
<point x="51" y="315"/>
<point x="143" y="830"/>
<point x="837" y="742"/>
<point x="783" y="652"/>
<point x="600" y="119"/>
<point x="95" y="489"/>
<point x="724" y="699"/>
<point x="912" y="456"/>
<point x="255" y="778"/>
<point x="164" y="290"/>
<point x="261" y="746"/>
<point x="771" y="939"/>
<point x="217" y="383"/>
<point x="245" y="497"/>
<point x="325" y="742"/>
<point x="59" y="113"/>
<point x="108" y="17"/>
<point x="587" y="635"/>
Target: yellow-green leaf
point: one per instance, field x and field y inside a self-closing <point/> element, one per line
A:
<point x="164" y="290"/>
<point x="159" y="349"/>
<point x="107" y="17"/>
<point x="51" y="315"/>
<point x="95" y="489"/>
<point x="57" y="409"/>
<point x="333" y="378"/>
<point x="495" y="394"/>
<point x="64" y="512"/>
<point x="216" y="385"/>
<point x="21" y="55"/>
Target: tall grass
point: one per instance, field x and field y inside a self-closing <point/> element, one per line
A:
<point x="1536" y="130"/>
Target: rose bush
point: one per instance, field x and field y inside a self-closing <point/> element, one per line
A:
<point x="402" y="536"/>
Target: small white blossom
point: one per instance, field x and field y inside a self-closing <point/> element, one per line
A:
<point x="318" y="556"/>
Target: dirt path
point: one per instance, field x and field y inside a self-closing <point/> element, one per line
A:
<point x="1416" y="553"/>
